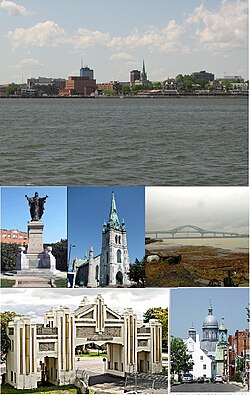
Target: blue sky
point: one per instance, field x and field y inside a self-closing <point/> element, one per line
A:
<point x="190" y="306"/>
<point x="88" y="207"/>
<point x="15" y="212"/>
<point x="49" y="38"/>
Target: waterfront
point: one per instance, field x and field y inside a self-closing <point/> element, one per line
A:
<point x="240" y="244"/>
<point x="186" y="141"/>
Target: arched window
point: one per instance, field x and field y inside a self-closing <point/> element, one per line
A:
<point x="97" y="272"/>
<point x="119" y="256"/>
<point x="119" y="239"/>
<point x="116" y="239"/>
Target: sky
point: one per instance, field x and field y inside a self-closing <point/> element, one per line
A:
<point x="210" y="208"/>
<point x="88" y="207"/>
<point x="45" y="38"/>
<point x="35" y="302"/>
<point x="190" y="307"/>
<point x="15" y="212"/>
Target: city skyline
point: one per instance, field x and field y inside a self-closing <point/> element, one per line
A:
<point x="38" y="39"/>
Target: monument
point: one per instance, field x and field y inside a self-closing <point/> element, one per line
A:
<point x="36" y="257"/>
<point x="132" y="345"/>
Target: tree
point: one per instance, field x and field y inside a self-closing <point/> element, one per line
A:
<point x="8" y="256"/>
<point x="181" y="361"/>
<point x="248" y="314"/>
<point x="137" y="273"/>
<point x="160" y="314"/>
<point x="60" y="252"/>
<point x="5" y="318"/>
<point x="126" y="90"/>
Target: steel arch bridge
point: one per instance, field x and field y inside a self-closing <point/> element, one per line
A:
<point x="187" y="231"/>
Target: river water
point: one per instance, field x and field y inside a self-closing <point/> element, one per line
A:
<point x="240" y="244"/>
<point x="175" y="141"/>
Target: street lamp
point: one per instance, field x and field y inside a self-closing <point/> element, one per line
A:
<point x="70" y="248"/>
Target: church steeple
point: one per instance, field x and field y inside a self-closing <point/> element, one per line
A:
<point x="113" y="221"/>
<point x="143" y="73"/>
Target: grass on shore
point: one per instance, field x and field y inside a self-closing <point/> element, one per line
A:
<point x="65" y="389"/>
<point x="6" y="283"/>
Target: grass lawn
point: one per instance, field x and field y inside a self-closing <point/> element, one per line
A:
<point x="61" y="283"/>
<point x="65" y="389"/>
<point x="5" y="283"/>
<point x="93" y="354"/>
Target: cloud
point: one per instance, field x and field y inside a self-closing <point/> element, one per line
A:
<point x="42" y="34"/>
<point x="222" y="29"/>
<point x="122" y="56"/>
<point x="90" y="38"/>
<point x="27" y="62"/>
<point x="153" y="39"/>
<point x="14" y="9"/>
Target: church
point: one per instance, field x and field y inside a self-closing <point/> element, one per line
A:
<point x="208" y="354"/>
<point x="110" y="268"/>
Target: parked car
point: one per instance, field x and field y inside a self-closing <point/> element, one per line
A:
<point x="218" y="379"/>
<point x="201" y="379"/>
<point x="187" y="378"/>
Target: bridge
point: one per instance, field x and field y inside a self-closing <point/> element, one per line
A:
<point x="190" y="231"/>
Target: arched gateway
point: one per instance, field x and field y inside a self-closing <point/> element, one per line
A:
<point x="131" y="344"/>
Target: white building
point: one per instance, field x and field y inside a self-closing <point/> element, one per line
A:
<point x="109" y="268"/>
<point x="50" y="349"/>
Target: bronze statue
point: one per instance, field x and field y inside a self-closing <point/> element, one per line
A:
<point x="36" y="204"/>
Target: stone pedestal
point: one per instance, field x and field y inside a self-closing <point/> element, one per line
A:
<point x="35" y="234"/>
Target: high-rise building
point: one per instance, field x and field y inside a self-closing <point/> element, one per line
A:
<point x="135" y="75"/>
<point x="87" y="73"/>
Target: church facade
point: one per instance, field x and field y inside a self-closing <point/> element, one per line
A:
<point x="50" y="349"/>
<point x="209" y="354"/>
<point x="109" y="268"/>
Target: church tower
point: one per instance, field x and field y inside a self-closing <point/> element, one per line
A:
<point x="114" y="264"/>
<point x="144" y="78"/>
<point x="210" y="330"/>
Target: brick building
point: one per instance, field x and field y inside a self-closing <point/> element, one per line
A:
<point x="14" y="236"/>
<point x="76" y="85"/>
<point x="241" y="342"/>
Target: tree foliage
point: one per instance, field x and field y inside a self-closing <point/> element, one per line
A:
<point x="160" y="314"/>
<point x="181" y="361"/>
<point x="5" y="318"/>
<point x="8" y="256"/>
<point x="137" y="273"/>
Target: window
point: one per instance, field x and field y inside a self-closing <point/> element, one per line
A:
<point x="14" y="236"/>
<point x="116" y="365"/>
<point x="201" y="358"/>
<point x="11" y="331"/>
<point x="20" y="236"/>
<point x="108" y="364"/>
<point x="12" y="345"/>
<point x="8" y="236"/>
<point x="204" y="367"/>
<point x="119" y="256"/>
<point x="11" y="376"/>
<point x="4" y="236"/>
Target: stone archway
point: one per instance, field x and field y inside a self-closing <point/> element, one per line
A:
<point x="119" y="278"/>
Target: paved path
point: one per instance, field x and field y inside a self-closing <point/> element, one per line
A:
<point x="204" y="387"/>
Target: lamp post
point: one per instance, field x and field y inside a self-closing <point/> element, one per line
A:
<point x="71" y="270"/>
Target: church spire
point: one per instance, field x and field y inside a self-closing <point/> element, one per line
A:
<point x="113" y="221"/>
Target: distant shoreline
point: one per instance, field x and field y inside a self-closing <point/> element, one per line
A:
<point x="180" y="96"/>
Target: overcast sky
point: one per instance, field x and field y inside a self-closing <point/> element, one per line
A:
<point x="211" y="208"/>
<point x="49" y="38"/>
<point x="35" y="302"/>
<point x="190" y="307"/>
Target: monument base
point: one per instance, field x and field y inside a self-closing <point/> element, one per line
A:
<point x="42" y="261"/>
<point x="35" y="235"/>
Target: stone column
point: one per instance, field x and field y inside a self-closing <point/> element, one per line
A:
<point x="35" y="234"/>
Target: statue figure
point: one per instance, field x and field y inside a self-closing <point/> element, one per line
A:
<point x="36" y="204"/>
